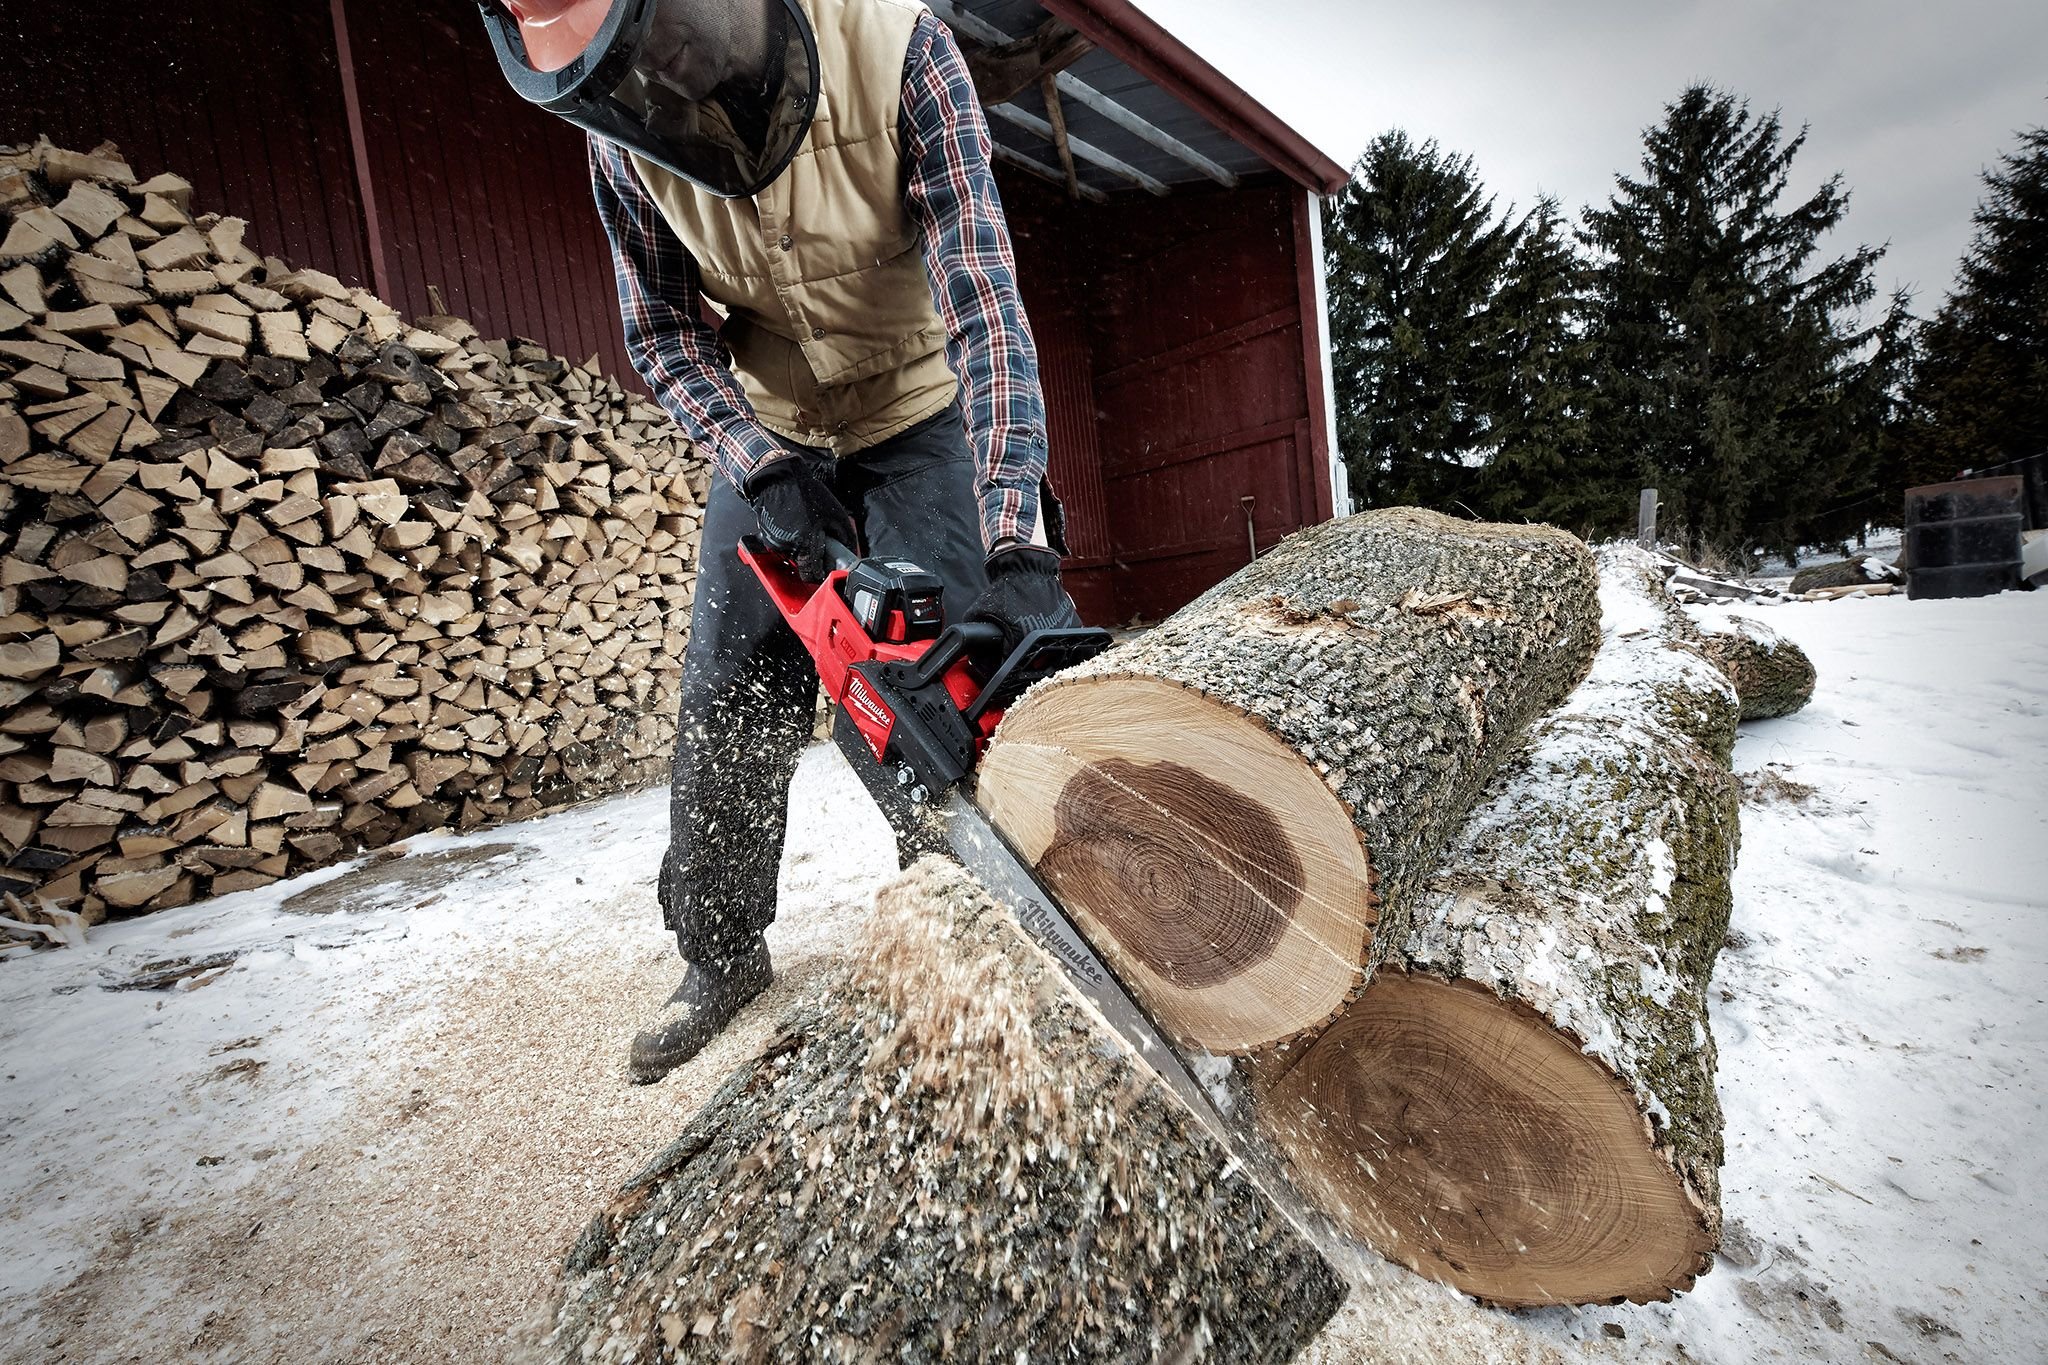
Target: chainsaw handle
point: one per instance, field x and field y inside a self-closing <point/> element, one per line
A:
<point x="958" y="641"/>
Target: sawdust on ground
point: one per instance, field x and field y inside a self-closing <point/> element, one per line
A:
<point x="426" y="1229"/>
<point x="430" y="1228"/>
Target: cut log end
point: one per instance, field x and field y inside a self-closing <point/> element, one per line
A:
<point x="1455" y="1118"/>
<point x="1224" y="880"/>
<point x="1237" y="807"/>
<point x="1464" y="1136"/>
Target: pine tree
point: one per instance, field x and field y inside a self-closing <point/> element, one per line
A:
<point x="1731" y="373"/>
<point x="1540" y="470"/>
<point x="1979" y="397"/>
<point x="1415" y="254"/>
<point x="1876" y="409"/>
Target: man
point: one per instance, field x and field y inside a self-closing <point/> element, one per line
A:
<point x="819" y="171"/>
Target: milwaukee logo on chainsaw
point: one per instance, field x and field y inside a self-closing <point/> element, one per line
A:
<point x="867" y="706"/>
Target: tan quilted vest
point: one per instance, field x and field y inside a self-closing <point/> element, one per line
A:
<point x="821" y="276"/>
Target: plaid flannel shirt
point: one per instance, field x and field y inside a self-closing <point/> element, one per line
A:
<point x="951" y="195"/>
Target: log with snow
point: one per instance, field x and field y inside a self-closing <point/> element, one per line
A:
<point x="1772" y="676"/>
<point x="1285" y="789"/>
<point x="1522" y="1104"/>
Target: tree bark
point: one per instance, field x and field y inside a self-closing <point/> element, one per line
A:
<point x="1238" y="807"/>
<point x="1772" y="675"/>
<point x="950" y="1159"/>
<point x="1525" y="1109"/>
<point x="1857" y="571"/>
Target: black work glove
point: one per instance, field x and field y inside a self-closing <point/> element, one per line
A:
<point x="797" y="513"/>
<point x="1024" y="594"/>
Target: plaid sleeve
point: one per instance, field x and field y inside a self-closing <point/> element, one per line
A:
<point x="951" y="194"/>
<point x="667" y="339"/>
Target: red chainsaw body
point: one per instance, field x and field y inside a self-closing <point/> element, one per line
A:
<point x="822" y="619"/>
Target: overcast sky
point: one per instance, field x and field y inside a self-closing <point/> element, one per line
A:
<point x="1909" y="99"/>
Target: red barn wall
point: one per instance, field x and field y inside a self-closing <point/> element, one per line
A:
<point x="1178" y="384"/>
<point x="241" y="97"/>
<point x="478" y="193"/>
<point x="1203" y="392"/>
<point x="1047" y="280"/>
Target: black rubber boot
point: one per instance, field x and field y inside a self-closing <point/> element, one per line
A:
<point x="711" y="994"/>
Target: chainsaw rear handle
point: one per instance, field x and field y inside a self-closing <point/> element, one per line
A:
<point x="969" y="639"/>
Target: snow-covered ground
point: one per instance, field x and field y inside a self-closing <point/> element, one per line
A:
<point x="1882" y="1004"/>
<point x="387" y="1095"/>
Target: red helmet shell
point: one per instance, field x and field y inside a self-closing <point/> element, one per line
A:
<point x="557" y="31"/>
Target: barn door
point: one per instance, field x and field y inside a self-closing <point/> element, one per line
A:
<point x="1201" y="390"/>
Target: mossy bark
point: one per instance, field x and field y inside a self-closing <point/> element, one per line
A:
<point x="948" y="1159"/>
<point x="1772" y="676"/>
<point x="1857" y="571"/>
<point x="1589" y="895"/>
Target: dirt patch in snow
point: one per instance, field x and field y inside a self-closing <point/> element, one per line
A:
<point x="420" y="879"/>
<point x="1769" y="785"/>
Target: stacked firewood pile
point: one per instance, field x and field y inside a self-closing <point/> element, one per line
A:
<point x="283" y="576"/>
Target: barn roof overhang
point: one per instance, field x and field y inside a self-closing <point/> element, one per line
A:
<point x="1136" y="109"/>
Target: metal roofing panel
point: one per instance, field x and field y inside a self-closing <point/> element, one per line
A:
<point x="1109" y="76"/>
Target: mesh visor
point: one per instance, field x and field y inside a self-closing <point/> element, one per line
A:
<point x="719" y="91"/>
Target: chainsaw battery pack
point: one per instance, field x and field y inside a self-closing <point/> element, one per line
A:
<point x="894" y="600"/>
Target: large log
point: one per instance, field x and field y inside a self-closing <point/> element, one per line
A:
<point x="1857" y="571"/>
<point x="1772" y="675"/>
<point x="948" y="1159"/>
<point x="1525" y="1108"/>
<point x="1238" y="807"/>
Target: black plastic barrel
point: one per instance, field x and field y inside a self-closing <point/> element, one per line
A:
<point x="1963" y="538"/>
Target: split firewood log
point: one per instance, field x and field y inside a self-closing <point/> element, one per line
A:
<point x="1238" y="807"/>
<point x="1522" y="1104"/>
<point x="1771" y="674"/>
<point x="949" y="1158"/>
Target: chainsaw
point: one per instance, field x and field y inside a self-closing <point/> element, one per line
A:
<point x="923" y="697"/>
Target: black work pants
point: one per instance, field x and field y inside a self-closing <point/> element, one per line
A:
<point x="749" y="688"/>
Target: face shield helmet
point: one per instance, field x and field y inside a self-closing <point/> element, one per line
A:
<point x="721" y="92"/>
